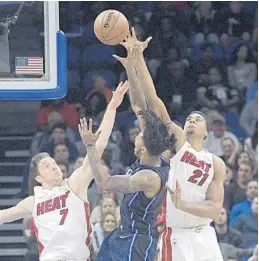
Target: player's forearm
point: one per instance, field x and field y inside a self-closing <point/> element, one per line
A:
<point x="11" y="214"/>
<point x="206" y="209"/>
<point x="106" y="130"/>
<point x="146" y="81"/>
<point x="137" y="98"/>
<point x="99" y="173"/>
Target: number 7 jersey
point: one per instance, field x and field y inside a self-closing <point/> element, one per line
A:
<point x="194" y="172"/>
<point x="61" y="224"/>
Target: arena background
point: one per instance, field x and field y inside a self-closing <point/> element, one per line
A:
<point x="203" y="56"/>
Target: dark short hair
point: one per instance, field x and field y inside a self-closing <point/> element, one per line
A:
<point x="59" y="125"/>
<point x="34" y="170"/>
<point x="156" y="137"/>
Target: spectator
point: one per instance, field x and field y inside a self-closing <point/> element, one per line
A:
<point x="255" y="255"/>
<point x="61" y="156"/>
<point x="235" y="16"/>
<point x="64" y="170"/>
<point x="249" y="117"/>
<point x="107" y="205"/>
<point x="100" y="85"/>
<point x="245" y="156"/>
<point x="168" y="35"/>
<point x="41" y="138"/>
<point x="128" y="156"/>
<point x="68" y="112"/>
<point x="226" y="234"/>
<point x="242" y="71"/>
<point x="216" y="95"/>
<point x="236" y="191"/>
<point x="180" y="97"/>
<point x="102" y="230"/>
<point x="59" y="137"/>
<point x="229" y="151"/>
<point x="244" y="207"/>
<point x="252" y="92"/>
<point x="216" y="135"/>
<point x="78" y="163"/>
<point x="248" y="225"/>
<point x="229" y="176"/>
<point x="206" y="61"/>
<point x="95" y="105"/>
<point x="203" y="23"/>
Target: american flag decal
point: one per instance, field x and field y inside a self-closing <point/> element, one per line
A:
<point x="29" y="65"/>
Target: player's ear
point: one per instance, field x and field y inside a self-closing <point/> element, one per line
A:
<point x="38" y="179"/>
<point x="143" y="150"/>
<point x="205" y="134"/>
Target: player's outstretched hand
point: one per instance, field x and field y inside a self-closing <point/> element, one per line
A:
<point x="175" y="195"/>
<point x="133" y="47"/>
<point x="118" y="94"/>
<point x="86" y="132"/>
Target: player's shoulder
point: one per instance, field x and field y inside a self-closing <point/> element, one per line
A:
<point x="147" y="174"/>
<point x="218" y="162"/>
<point x="219" y="168"/>
<point x="27" y="203"/>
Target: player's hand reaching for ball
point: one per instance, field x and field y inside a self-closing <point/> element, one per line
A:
<point x="175" y="195"/>
<point x="133" y="47"/>
<point x="118" y="94"/>
<point x="86" y="132"/>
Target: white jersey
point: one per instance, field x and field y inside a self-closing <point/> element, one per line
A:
<point x="61" y="223"/>
<point x="194" y="171"/>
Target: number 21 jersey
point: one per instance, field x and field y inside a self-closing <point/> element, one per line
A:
<point x="61" y="224"/>
<point x="194" y="172"/>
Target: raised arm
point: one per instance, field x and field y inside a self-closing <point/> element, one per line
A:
<point x="147" y="181"/>
<point x="136" y="94"/>
<point x="21" y="210"/>
<point x="210" y="208"/>
<point x="82" y="177"/>
<point x="107" y="124"/>
<point x="146" y="83"/>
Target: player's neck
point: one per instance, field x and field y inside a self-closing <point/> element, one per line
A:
<point x="153" y="161"/>
<point x="50" y="187"/>
<point x="196" y="143"/>
<point x="221" y="229"/>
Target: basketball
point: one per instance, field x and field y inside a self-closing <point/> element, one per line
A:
<point x="111" y="27"/>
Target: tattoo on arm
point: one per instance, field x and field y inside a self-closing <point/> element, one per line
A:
<point x="137" y="97"/>
<point x="145" y="180"/>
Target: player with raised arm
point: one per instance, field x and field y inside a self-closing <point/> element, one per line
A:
<point x="196" y="192"/>
<point x="144" y="185"/>
<point x="59" y="207"/>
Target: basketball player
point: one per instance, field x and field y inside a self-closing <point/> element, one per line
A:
<point x="195" y="194"/>
<point x="59" y="207"/>
<point x="143" y="186"/>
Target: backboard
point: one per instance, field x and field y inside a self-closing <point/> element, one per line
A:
<point x="33" y="51"/>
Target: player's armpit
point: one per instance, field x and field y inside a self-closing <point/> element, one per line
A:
<point x="21" y="210"/>
<point x="147" y="181"/>
<point x="211" y="207"/>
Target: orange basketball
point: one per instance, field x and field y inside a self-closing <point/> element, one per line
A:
<point x="111" y="27"/>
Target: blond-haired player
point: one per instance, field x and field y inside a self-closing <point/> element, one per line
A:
<point x="59" y="207"/>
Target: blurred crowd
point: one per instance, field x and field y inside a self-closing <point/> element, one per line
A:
<point x="203" y="56"/>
